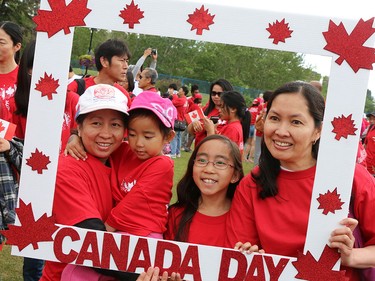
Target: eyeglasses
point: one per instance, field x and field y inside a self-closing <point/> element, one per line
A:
<point x="213" y="93"/>
<point x="201" y="162"/>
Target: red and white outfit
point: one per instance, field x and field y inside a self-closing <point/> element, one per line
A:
<point x="279" y="224"/>
<point x="83" y="191"/>
<point x="205" y="230"/>
<point x="8" y="86"/>
<point x="89" y="81"/>
<point x="142" y="193"/>
<point x="233" y="131"/>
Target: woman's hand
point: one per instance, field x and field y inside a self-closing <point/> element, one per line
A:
<point x="248" y="248"/>
<point x="4" y="145"/>
<point x="197" y="126"/>
<point x="152" y="274"/>
<point x="343" y="240"/>
<point x="209" y="126"/>
<point x="75" y="148"/>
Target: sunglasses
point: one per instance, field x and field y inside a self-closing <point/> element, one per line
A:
<point x="213" y="93"/>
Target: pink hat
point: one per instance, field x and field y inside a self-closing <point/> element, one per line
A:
<point x="101" y="96"/>
<point x="162" y="107"/>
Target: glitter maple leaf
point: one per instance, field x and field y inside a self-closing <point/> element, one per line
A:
<point x="343" y="126"/>
<point x="2" y="128"/>
<point x="310" y="269"/>
<point x="350" y="47"/>
<point x="31" y="231"/>
<point x="38" y="161"/>
<point x="279" y="31"/>
<point x="200" y="20"/>
<point x="47" y="85"/>
<point x="61" y="16"/>
<point x="330" y="201"/>
<point x="131" y="14"/>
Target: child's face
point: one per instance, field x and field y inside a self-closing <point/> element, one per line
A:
<point x="145" y="137"/>
<point x="211" y="181"/>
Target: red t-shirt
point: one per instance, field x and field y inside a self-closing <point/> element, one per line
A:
<point x="89" y="81"/>
<point x="254" y="112"/>
<point x="181" y="105"/>
<point x="8" y="85"/>
<point x="142" y="193"/>
<point x="233" y="131"/>
<point x="261" y="108"/>
<point x="199" y="136"/>
<point x="83" y="191"/>
<point x="370" y="150"/>
<point x="205" y="230"/>
<point x="279" y="224"/>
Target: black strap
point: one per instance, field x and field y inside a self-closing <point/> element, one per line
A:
<point x="81" y="83"/>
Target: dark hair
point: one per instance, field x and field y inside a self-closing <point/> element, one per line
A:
<point x="142" y="112"/>
<point x="194" y="88"/>
<point x="22" y="93"/>
<point x="151" y="73"/>
<point x="109" y="49"/>
<point x="15" y="33"/>
<point x="185" y="89"/>
<point x="267" y="95"/>
<point x="225" y="85"/>
<point x="130" y="78"/>
<point x="188" y="194"/>
<point x="269" y="167"/>
<point x="233" y="99"/>
<point x="173" y="86"/>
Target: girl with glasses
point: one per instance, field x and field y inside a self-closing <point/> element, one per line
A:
<point x="205" y="192"/>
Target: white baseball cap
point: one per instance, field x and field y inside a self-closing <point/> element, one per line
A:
<point x="102" y="96"/>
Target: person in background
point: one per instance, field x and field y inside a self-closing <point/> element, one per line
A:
<point x="147" y="80"/>
<point x="211" y="109"/>
<point x="262" y="109"/>
<point x="181" y="104"/>
<point x="10" y="48"/>
<point x="138" y="67"/>
<point x="196" y="105"/>
<point x="128" y="84"/>
<point x="186" y="137"/>
<point x="248" y="155"/>
<point x="369" y="144"/>
<point x="276" y="195"/>
<point x="172" y="90"/>
<point x="317" y="85"/>
<point x="72" y="76"/>
<point x="234" y="119"/>
<point x="205" y="192"/>
<point x="111" y="61"/>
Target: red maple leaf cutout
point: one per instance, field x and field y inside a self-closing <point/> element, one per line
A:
<point x="200" y="20"/>
<point x="343" y="126"/>
<point x="310" y="269"/>
<point x="131" y="14"/>
<point x="2" y="128"/>
<point x="350" y="47"/>
<point x="61" y="16"/>
<point x="279" y="31"/>
<point x="330" y="201"/>
<point x="194" y="115"/>
<point x="31" y="231"/>
<point x="47" y="85"/>
<point x="38" y="161"/>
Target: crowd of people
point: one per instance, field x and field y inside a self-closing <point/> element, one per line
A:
<point x="129" y="135"/>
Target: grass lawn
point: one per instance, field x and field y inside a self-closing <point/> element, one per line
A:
<point x="11" y="266"/>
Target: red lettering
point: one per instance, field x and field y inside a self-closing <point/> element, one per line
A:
<point x="256" y="267"/>
<point x="161" y="249"/>
<point x="119" y="255"/>
<point x="226" y="259"/>
<point x="57" y="245"/>
<point x="191" y="256"/>
<point x="90" y="241"/>
<point x="275" y="272"/>
<point x="136" y="262"/>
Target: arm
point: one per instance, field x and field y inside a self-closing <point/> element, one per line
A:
<point x="195" y="126"/>
<point x="141" y="61"/>
<point x="14" y="150"/>
<point x="154" y="61"/>
<point x="75" y="148"/>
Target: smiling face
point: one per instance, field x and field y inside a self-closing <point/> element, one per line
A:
<point x="213" y="182"/>
<point x="102" y="132"/>
<point x="7" y="49"/>
<point x="145" y="137"/>
<point x="289" y="132"/>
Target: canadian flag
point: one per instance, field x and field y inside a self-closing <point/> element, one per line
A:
<point x="194" y="115"/>
<point x="7" y="129"/>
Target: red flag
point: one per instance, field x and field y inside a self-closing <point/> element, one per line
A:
<point x="194" y="115"/>
<point x="7" y="129"/>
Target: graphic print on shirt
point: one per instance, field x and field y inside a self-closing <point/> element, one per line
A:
<point x="126" y="186"/>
